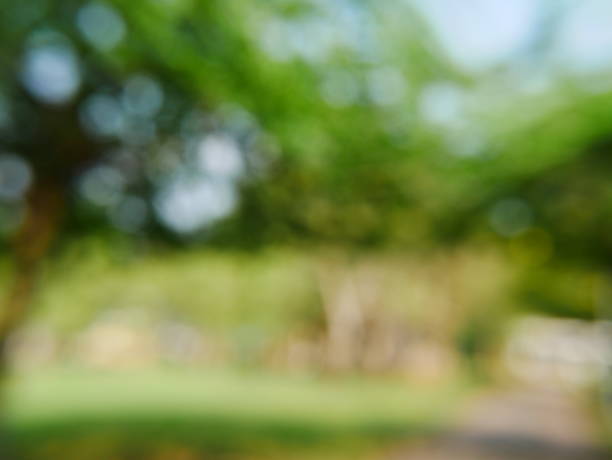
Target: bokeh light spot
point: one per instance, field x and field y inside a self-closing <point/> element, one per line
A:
<point x="511" y="217"/>
<point x="51" y="73"/>
<point x="187" y="205"/>
<point x="100" y="25"/>
<point x="102" y="185"/>
<point x="15" y="177"/>
<point x="219" y="156"/>
<point x="142" y="96"/>
<point x="441" y="103"/>
<point x="102" y="115"/>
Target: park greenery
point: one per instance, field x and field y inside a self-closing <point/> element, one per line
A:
<point x="300" y="186"/>
<point x="185" y="415"/>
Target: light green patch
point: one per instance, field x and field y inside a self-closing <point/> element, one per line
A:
<point x="222" y="412"/>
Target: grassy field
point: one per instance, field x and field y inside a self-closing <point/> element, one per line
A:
<point x="181" y="415"/>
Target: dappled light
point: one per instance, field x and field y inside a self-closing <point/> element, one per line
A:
<point x="51" y="73"/>
<point x="101" y="25"/>
<point x="15" y="177"/>
<point x="305" y="229"/>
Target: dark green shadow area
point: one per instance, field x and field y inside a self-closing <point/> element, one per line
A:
<point x="137" y="436"/>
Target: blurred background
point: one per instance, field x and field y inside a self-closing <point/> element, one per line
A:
<point x="305" y="229"/>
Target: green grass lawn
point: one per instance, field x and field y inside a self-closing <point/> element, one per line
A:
<point x="221" y="414"/>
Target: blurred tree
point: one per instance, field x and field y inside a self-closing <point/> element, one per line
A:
<point x="153" y="116"/>
<point x="340" y="122"/>
<point x="92" y="84"/>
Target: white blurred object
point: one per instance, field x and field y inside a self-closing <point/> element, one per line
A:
<point x="568" y="351"/>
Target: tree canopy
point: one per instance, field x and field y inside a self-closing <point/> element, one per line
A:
<point x="355" y="123"/>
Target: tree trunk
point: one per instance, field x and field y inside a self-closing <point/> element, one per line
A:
<point x="44" y="210"/>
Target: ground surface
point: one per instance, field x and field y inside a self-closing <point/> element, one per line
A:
<point x="76" y="415"/>
<point x="193" y="416"/>
<point x="526" y="424"/>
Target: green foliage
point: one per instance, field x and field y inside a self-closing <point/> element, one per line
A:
<point x="328" y="107"/>
<point x="216" y="290"/>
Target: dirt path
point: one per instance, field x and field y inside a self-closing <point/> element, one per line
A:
<point x="526" y="424"/>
